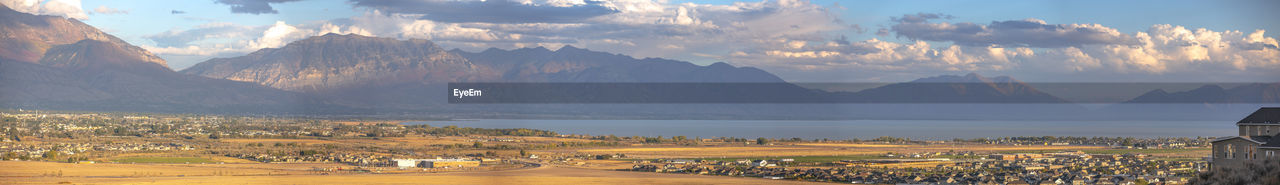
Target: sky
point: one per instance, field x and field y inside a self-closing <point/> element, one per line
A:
<point x="800" y="41"/>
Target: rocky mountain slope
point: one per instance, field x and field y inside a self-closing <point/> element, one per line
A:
<point x="100" y="72"/>
<point x="27" y="37"/>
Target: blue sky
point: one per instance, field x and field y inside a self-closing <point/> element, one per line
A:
<point x="802" y="41"/>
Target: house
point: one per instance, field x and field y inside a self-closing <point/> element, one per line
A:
<point x="406" y="163"/>
<point x="447" y="163"/>
<point x="681" y="161"/>
<point x="760" y="163"/>
<point x="1259" y="138"/>
<point x="435" y="163"/>
<point x="1007" y="157"/>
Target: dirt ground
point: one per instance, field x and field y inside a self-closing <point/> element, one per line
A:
<point x="30" y="173"/>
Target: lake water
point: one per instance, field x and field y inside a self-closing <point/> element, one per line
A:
<point x="862" y="129"/>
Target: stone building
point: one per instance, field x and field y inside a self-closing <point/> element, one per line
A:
<point x="1258" y="139"/>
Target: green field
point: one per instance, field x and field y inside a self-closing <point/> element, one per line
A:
<point x="164" y="160"/>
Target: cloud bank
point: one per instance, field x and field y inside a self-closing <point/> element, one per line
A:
<point x="252" y="6"/>
<point x="1033" y="46"/>
<point x="1014" y="33"/>
<point x="64" y="8"/>
<point x="493" y="11"/>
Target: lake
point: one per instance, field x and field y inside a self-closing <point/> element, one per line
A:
<point x="862" y="129"/>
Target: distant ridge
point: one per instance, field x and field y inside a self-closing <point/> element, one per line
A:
<point x="82" y="68"/>
<point x="388" y="73"/>
<point x="1249" y="93"/>
<point x="953" y="89"/>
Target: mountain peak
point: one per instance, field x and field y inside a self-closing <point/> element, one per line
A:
<point x="568" y="48"/>
<point x="720" y="65"/>
<point x="335" y="36"/>
<point x="1210" y="87"/>
<point x="973" y="75"/>
<point x="336" y="61"/>
<point x="94" y="53"/>
<point x="42" y="32"/>
<point x="967" y="78"/>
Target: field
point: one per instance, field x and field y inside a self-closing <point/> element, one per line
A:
<point x="16" y="170"/>
<point x="186" y="167"/>
<point x="811" y="149"/>
<point x="172" y="160"/>
<point x="39" y="173"/>
<point x="269" y="141"/>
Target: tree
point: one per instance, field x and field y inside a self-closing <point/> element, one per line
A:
<point x="477" y="145"/>
<point x="10" y="156"/>
<point x="762" y="141"/>
<point x="50" y="154"/>
<point x="523" y="153"/>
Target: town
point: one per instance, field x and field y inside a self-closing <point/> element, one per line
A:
<point x="386" y="147"/>
<point x="1057" y="168"/>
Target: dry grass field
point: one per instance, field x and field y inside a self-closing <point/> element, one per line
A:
<point x="858" y="145"/>
<point x="124" y="158"/>
<point x="270" y="141"/>
<point x="33" y="173"/>
<point x="21" y="169"/>
<point x="412" y="140"/>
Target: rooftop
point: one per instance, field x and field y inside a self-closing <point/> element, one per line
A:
<point x="1275" y="141"/>
<point x="1270" y="115"/>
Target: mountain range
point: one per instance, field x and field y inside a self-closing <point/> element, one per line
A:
<point x="1247" y="93"/>
<point x="50" y="62"/>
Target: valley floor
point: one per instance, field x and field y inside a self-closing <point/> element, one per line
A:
<point x="23" y="172"/>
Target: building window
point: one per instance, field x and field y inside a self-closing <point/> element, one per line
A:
<point x="1249" y="153"/>
<point x="1231" y="151"/>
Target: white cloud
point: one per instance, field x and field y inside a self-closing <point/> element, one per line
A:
<point x="1160" y="50"/>
<point x="24" y="6"/>
<point x="194" y="50"/>
<point x="330" y="28"/>
<point x="64" y="8"/>
<point x="103" y="9"/>
<point x="278" y="35"/>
